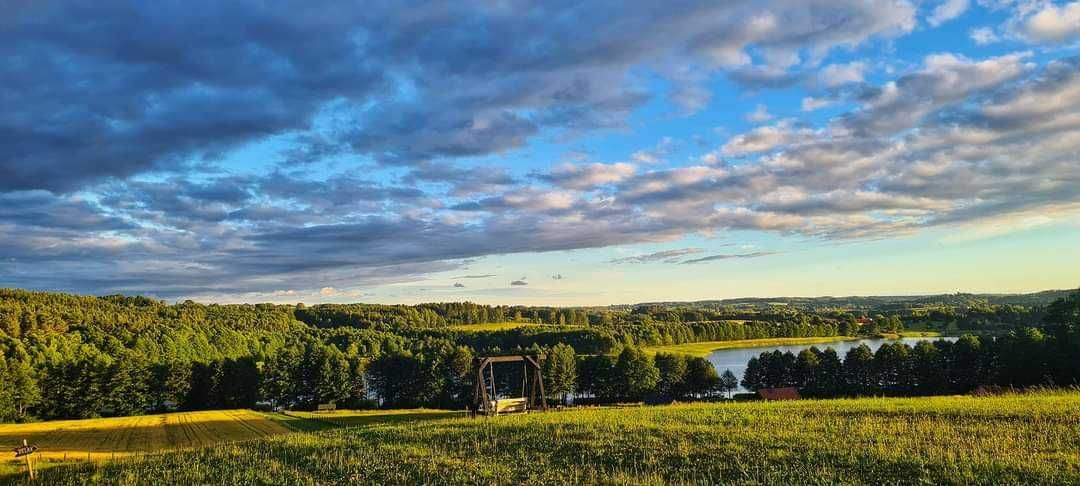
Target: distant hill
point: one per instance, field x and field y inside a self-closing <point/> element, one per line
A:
<point x="880" y="302"/>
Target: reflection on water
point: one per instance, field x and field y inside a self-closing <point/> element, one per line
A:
<point x="735" y="359"/>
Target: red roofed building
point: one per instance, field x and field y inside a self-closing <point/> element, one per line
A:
<point x="785" y="393"/>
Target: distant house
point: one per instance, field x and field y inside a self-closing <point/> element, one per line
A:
<point x="784" y="393"/>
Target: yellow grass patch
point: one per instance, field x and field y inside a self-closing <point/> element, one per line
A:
<point x="94" y="439"/>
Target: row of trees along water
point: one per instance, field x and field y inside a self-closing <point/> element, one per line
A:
<point x="1025" y="357"/>
<point x="66" y="356"/>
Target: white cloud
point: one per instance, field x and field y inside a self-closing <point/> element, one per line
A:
<point x="983" y="36"/>
<point x="573" y="176"/>
<point x="946" y="11"/>
<point x="811" y="103"/>
<point x="760" y="114"/>
<point x="657" y="154"/>
<point x="1053" y="23"/>
<point x="333" y="292"/>
<point x="763" y="139"/>
<point x="840" y="74"/>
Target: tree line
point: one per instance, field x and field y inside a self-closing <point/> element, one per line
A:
<point x="1025" y="357"/>
<point x="69" y="356"/>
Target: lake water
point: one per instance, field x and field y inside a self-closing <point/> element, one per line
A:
<point x="735" y="359"/>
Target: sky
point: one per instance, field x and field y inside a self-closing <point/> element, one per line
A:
<point x="542" y="153"/>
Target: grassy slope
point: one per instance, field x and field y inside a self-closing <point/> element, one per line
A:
<point x="1025" y="439"/>
<point x="349" y="418"/>
<point x="69" y="441"/>
<point x="107" y="438"/>
<point x="705" y="347"/>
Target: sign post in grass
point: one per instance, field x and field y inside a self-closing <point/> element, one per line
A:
<point x="24" y="451"/>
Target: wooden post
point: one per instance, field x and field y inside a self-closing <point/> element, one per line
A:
<point x="540" y="381"/>
<point x="29" y="465"/>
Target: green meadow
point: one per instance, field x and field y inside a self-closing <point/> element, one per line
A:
<point x="1014" y="439"/>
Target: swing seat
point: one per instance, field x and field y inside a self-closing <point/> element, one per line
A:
<point x="509" y="405"/>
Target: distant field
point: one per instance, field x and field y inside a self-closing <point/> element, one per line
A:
<point x="66" y="441"/>
<point x="1019" y="439"/>
<point x="96" y="439"/>
<point x="705" y="347"/>
<point x="493" y="326"/>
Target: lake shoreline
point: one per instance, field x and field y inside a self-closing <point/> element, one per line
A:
<point x="735" y="358"/>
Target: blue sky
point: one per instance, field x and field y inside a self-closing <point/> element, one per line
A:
<point x="540" y="153"/>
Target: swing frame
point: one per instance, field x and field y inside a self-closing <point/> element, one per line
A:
<point x="532" y="385"/>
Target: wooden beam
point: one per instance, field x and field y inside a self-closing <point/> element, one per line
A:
<point x="511" y="358"/>
<point x="543" y="395"/>
<point x="494" y="391"/>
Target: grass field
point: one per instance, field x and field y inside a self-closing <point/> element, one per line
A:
<point x="350" y="418"/>
<point x="1019" y="439"/>
<point x="705" y="347"/>
<point x="96" y="439"/>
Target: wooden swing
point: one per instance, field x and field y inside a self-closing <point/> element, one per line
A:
<point x="485" y="399"/>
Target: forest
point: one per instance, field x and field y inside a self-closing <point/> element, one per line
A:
<point x="71" y="356"/>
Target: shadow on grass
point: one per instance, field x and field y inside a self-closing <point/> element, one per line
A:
<point x="340" y="420"/>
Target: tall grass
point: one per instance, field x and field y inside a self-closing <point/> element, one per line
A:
<point x="1017" y="439"/>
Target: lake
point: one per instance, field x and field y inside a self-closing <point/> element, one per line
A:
<point x="735" y="359"/>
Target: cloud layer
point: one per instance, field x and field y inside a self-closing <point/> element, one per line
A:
<point x="120" y="135"/>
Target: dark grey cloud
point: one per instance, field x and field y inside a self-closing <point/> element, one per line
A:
<point x="944" y="80"/>
<point x="669" y="256"/>
<point x="991" y="153"/>
<point x="132" y="88"/>
<point x="383" y="128"/>
<point x="486" y="275"/>
<point x="728" y="256"/>
<point x="43" y="210"/>
<point x="584" y="177"/>
<point x="459" y="285"/>
<point x="464" y="181"/>
<point x="518" y="283"/>
<point x="763" y="78"/>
